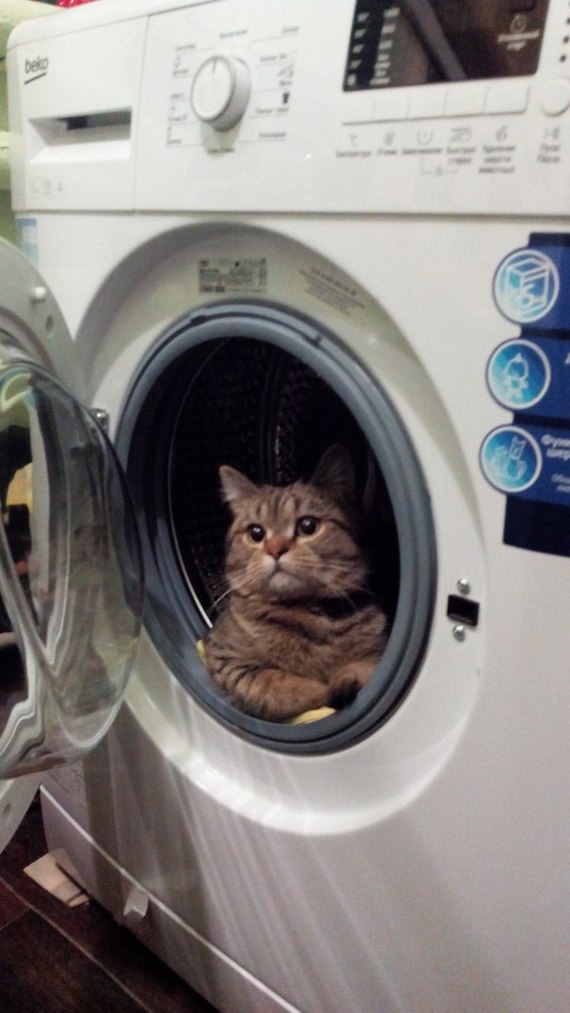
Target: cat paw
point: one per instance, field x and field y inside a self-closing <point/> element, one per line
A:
<point x="275" y="695"/>
<point x="347" y="682"/>
<point x="343" y="692"/>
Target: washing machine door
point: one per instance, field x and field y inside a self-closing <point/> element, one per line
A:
<point x="71" y="584"/>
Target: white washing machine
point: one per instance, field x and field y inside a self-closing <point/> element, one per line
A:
<point x="272" y="226"/>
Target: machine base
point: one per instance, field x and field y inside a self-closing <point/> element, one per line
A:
<point x="218" y="978"/>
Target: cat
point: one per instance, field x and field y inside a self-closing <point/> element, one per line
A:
<point x="299" y="629"/>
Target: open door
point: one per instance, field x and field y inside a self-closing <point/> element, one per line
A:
<point x="71" y="584"/>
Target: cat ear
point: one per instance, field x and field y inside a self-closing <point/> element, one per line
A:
<point x="335" y="472"/>
<point x="235" y="486"/>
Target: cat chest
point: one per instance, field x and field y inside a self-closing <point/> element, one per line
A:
<point x="310" y="640"/>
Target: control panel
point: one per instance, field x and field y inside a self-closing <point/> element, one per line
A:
<point x="415" y="106"/>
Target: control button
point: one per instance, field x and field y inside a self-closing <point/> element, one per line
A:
<point x="464" y="100"/>
<point x="555" y="97"/>
<point x="221" y="91"/>
<point x="427" y="103"/>
<point x="507" y="97"/>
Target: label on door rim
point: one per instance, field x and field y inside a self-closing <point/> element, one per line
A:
<point x="233" y="276"/>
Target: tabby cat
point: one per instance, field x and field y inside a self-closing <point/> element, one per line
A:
<point x="299" y="629"/>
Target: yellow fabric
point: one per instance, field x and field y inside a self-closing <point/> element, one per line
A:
<point x="308" y="716"/>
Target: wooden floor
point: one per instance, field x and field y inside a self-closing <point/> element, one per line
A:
<point x="56" y="959"/>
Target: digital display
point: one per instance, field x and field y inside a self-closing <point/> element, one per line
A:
<point x="429" y="41"/>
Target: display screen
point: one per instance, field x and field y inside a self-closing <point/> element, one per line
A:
<point x="428" y="41"/>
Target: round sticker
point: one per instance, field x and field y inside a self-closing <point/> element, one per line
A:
<point x="510" y="459"/>
<point x="518" y="374"/>
<point x="526" y="286"/>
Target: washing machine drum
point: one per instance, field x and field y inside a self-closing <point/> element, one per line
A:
<point x="268" y="392"/>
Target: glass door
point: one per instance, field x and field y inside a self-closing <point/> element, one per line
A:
<point x="71" y="582"/>
<point x="70" y="577"/>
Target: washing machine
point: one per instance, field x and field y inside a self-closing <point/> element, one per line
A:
<point x="270" y="227"/>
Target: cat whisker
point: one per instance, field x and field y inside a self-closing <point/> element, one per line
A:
<point x="244" y="579"/>
<point x="217" y="602"/>
<point x="342" y="592"/>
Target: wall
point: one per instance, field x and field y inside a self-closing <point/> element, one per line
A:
<point x="12" y="12"/>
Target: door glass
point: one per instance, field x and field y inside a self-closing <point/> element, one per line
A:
<point x="70" y="576"/>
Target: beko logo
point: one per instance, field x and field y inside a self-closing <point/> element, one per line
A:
<point x="34" y="69"/>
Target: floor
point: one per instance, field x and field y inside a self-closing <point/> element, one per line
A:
<point x="58" y="959"/>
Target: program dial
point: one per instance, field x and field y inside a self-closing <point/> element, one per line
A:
<point x="221" y="91"/>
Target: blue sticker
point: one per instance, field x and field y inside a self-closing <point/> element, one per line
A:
<point x="531" y="463"/>
<point x="529" y="460"/>
<point x="526" y="285"/>
<point x="511" y="459"/>
<point x="518" y="374"/>
<point x="27" y="237"/>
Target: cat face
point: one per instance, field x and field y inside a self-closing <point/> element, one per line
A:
<point x="293" y="541"/>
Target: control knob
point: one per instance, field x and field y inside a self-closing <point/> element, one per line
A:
<point x="221" y="91"/>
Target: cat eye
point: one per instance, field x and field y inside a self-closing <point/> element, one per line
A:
<point x="256" y="532"/>
<point x="307" y="526"/>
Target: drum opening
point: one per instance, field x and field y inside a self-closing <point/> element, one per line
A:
<point x="250" y="386"/>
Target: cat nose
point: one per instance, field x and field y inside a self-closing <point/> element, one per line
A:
<point x="276" y="547"/>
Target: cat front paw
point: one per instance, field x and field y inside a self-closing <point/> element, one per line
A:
<point x="343" y="692"/>
<point x="347" y="683"/>
<point x="275" y="695"/>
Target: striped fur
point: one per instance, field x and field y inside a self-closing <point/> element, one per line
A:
<point x="298" y="629"/>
